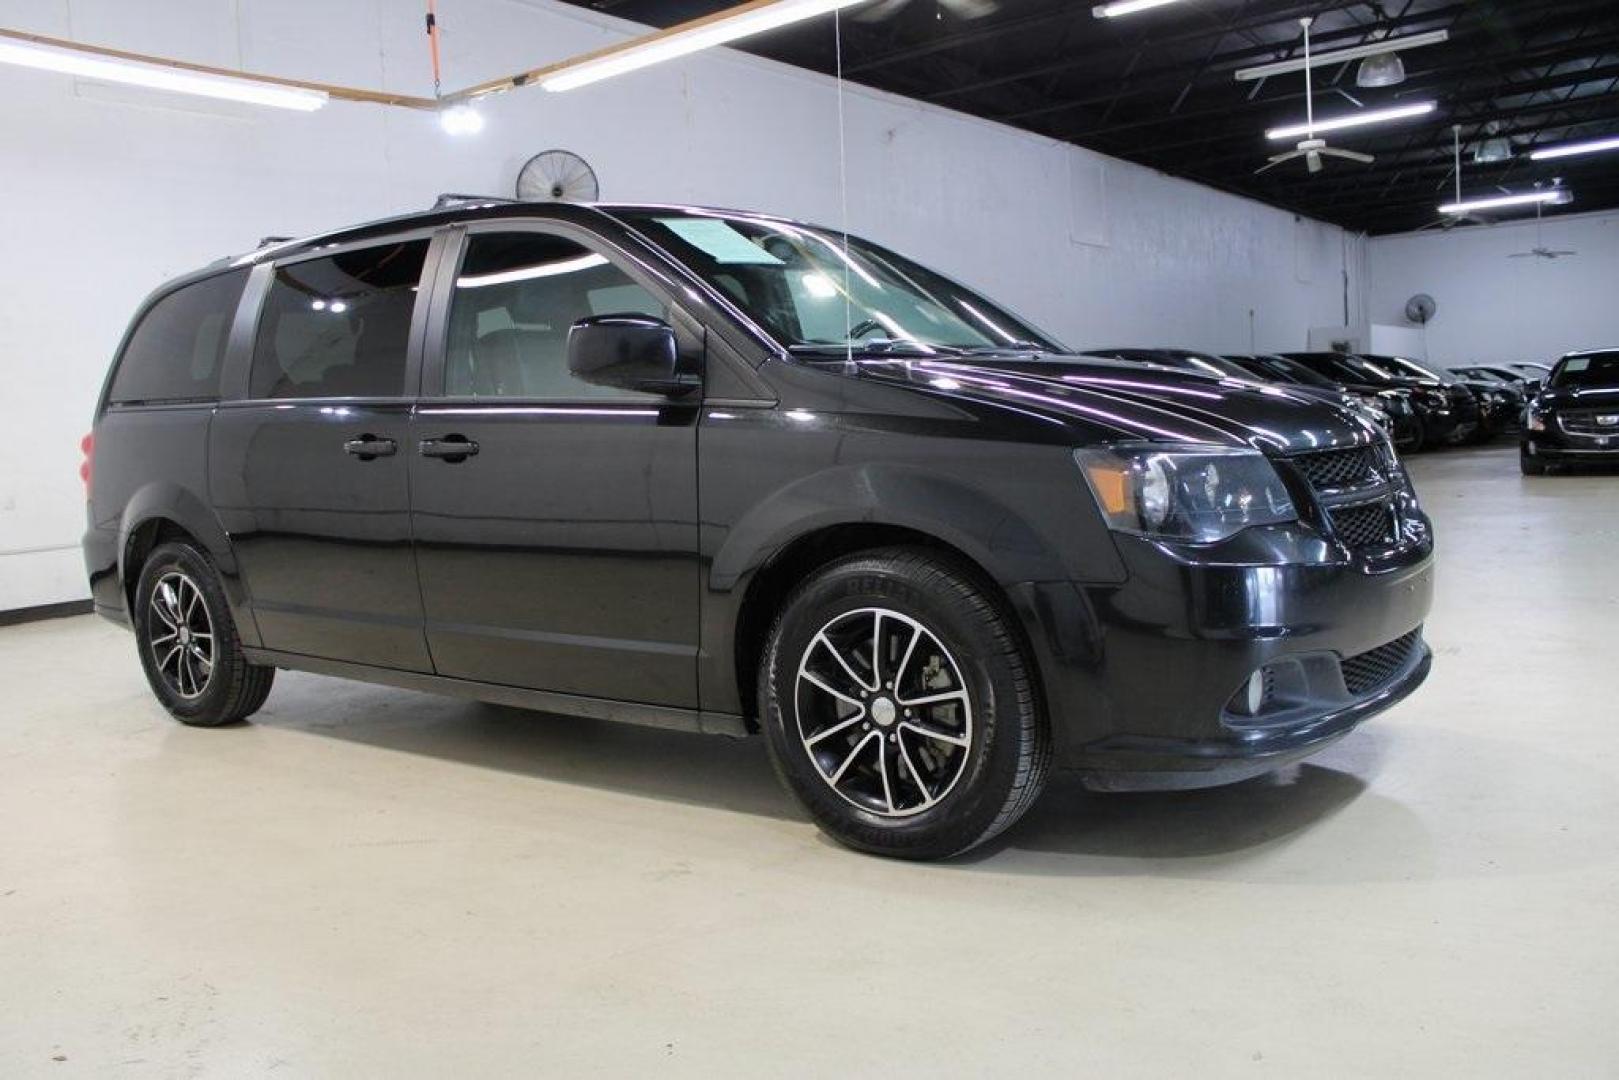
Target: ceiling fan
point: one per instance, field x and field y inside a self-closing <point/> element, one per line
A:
<point x="1310" y="148"/>
<point x="961" y="9"/>
<point x="1540" y="250"/>
<point x="1450" y="221"/>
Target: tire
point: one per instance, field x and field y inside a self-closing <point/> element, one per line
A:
<point x="949" y="757"/>
<point x="1530" y="465"/>
<point x="188" y="643"/>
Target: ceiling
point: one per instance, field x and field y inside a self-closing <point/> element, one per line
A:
<point x="1156" y="88"/>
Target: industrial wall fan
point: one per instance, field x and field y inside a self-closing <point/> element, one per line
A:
<point x="1421" y="309"/>
<point x="1310" y="148"/>
<point x="557" y="176"/>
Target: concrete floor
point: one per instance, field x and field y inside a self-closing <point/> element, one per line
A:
<point x="364" y="882"/>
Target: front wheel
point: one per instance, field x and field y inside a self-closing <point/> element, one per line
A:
<point x="188" y="643"/>
<point x="1530" y="465"/>
<point x="899" y="707"/>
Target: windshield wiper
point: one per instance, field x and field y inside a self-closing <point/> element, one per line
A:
<point x="1018" y="348"/>
<point x="877" y="346"/>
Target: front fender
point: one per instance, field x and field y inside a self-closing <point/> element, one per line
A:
<point x="968" y="518"/>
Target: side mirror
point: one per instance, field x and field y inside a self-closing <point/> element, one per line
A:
<point x="629" y="352"/>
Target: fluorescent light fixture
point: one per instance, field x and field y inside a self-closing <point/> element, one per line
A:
<point x="1497" y="202"/>
<point x="529" y="273"/>
<point x="158" y="77"/>
<point x="1352" y="120"/>
<point x="1125" y="7"/>
<point x="743" y="21"/>
<point x="1339" y="56"/>
<point x="1595" y="146"/>
<point x="461" y="120"/>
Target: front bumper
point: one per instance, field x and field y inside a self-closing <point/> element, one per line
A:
<point x="1557" y="446"/>
<point x="1405" y="429"/>
<point x="1140" y="676"/>
<point x="1457" y="421"/>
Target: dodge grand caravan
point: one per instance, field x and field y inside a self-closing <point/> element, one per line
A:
<point x="730" y="473"/>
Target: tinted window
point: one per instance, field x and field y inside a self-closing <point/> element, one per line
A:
<point x="515" y="297"/>
<point x="339" y="326"/>
<point x="177" y="350"/>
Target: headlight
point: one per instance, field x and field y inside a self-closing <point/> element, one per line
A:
<point x="1535" y="421"/>
<point x="1196" y="494"/>
<point x="1371" y="404"/>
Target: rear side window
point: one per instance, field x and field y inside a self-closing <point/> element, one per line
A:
<point x="178" y="347"/>
<point x="339" y="326"/>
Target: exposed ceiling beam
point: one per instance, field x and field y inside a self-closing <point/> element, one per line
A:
<point x="344" y="93"/>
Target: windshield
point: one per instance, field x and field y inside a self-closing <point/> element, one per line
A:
<point x="1215" y="365"/>
<point x="1282" y="370"/>
<point x="1599" y="369"/>
<point x="1399" y="365"/>
<point x="811" y="293"/>
<point x="1342" y="366"/>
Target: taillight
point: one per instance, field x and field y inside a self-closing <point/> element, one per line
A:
<point x="87" y="446"/>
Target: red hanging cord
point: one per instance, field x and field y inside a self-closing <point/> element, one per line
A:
<point x="432" y="44"/>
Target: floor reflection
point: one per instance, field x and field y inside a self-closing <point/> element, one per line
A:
<point x="735" y="775"/>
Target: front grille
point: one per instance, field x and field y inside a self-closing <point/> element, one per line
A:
<point x="1588" y="422"/>
<point x="1358" y="488"/>
<point x="1340" y="468"/>
<point x="1372" y="669"/>
<point x="1364" y="526"/>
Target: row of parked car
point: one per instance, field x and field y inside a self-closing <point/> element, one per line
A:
<point x="1420" y="406"/>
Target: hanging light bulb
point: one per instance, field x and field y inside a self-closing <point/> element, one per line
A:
<point x="461" y="120"/>
<point x="1383" y="69"/>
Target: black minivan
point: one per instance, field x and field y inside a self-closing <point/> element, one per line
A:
<point x="731" y="473"/>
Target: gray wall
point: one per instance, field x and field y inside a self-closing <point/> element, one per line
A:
<point x="1493" y="308"/>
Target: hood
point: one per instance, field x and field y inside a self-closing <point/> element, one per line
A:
<point x="1578" y="397"/>
<point x="1123" y="401"/>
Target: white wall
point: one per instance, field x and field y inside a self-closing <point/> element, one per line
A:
<point x="1498" y="309"/>
<point x="105" y="192"/>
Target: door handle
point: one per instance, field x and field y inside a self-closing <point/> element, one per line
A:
<point x="369" y="447"/>
<point x="452" y="448"/>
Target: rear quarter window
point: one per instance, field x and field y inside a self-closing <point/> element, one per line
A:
<point x="177" y="350"/>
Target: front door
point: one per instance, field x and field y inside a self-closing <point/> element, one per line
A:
<point x="555" y="521"/>
<point x="310" y="472"/>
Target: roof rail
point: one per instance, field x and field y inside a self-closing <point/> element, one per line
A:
<point x="451" y="198"/>
<point x="267" y="241"/>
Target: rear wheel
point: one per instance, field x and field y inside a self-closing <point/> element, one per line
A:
<point x="899" y="707"/>
<point x="188" y="643"/>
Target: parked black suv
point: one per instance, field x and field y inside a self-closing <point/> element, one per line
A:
<point x="1574" y="420"/>
<point x="728" y="473"/>
<point x="1392" y="406"/>
<point x="1447" y="412"/>
<point x="1497" y="408"/>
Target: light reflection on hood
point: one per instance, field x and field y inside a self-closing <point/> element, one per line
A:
<point x="1129" y="402"/>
